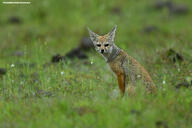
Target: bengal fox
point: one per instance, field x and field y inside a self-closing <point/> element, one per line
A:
<point x="127" y="69"/>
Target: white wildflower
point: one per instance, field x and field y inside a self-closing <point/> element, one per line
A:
<point x="12" y="65"/>
<point x="164" y="82"/>
<point x="91" y="61"/>
<point x="138" y="76"/>
<point x="62" y="73"/>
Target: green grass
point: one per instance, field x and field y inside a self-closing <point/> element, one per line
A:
<point x="78" y="94"/>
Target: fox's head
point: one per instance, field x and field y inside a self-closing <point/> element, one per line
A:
<point x="103" y="44"/>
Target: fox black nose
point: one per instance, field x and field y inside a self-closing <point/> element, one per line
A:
<point x="102" y="50"/>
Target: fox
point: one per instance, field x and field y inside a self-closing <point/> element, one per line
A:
<point x="126" y="68"/>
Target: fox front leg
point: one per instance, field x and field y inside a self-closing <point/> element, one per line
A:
<point x="121" y="82"/>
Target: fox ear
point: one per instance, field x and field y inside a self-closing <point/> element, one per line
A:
<point x="112" y="34"/>
<point x="93" y="35"/>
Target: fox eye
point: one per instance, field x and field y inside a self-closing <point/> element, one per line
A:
<point x="106" y="45"/>
<point x="98" y="45"/>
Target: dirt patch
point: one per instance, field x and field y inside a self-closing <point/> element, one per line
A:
<point x="14" y="20"/>
<point x="161" y="124"/>
<point x="84" y="110"/>
<point x="172" y="56"/>
<point x="3" y="71"/>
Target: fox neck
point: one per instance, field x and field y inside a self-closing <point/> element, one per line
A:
<point x="113" y="52"/>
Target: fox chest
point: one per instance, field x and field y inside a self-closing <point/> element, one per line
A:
<point x="116" y="67"/>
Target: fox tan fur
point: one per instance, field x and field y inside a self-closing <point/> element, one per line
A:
<point x="126" y="68"/>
